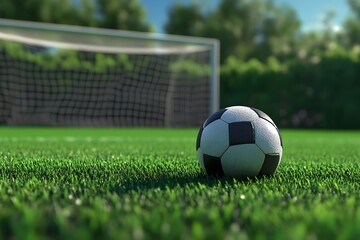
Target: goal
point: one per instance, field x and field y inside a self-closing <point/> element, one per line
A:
<point x="57" y="75"/>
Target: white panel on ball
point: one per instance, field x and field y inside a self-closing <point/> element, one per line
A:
<point x="242" y="160"/>
<point x="267" y="137"/>
<point x="215" y="138"/>
<point x="239" y="114"/>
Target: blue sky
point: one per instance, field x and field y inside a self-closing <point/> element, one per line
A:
<point x="310" y="11"/>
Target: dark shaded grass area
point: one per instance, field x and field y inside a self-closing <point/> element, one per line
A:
<point x="147" y="183"/>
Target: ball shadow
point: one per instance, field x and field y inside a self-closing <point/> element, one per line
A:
<point x="164" y="181"/>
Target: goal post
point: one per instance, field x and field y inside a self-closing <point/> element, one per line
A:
<point x="58" y="75"/>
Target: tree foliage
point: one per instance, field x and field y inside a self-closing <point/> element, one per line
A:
<point x="185" y="20"/>
<point x="125" y="15"/>
<point x="320" y="92"/>
<point x="246" y="29"/>
<point x="301" y="78"/>
<point x="352" y="24"/>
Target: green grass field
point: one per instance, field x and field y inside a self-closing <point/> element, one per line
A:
<point x="147" y="184"/>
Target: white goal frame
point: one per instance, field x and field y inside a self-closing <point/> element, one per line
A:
<point x="17" y="31"/>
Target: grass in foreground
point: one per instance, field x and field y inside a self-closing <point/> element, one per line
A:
<point x="147" y="184"/>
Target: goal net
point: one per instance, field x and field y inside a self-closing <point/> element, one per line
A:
<point x="56" y="75"/>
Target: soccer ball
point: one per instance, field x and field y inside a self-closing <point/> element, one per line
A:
<point x="239" y="142"/>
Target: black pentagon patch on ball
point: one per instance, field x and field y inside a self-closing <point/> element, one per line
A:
<point x="241" y="133"/>
<point x="263" y="115"/>
<point x="213" y="166"/>
<point x="215" y="116"/>
<point x="270" y="163"/>
<point x="281" y="142"/>
<point x="199" y="138"/>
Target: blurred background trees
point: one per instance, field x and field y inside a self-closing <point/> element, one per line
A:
<point x="246" y="29"/>
<point x="125" y="15"/>
<point x="352" y="25"/>
<point x="301" y="78"/>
